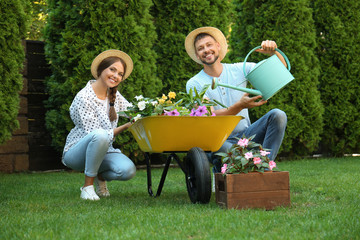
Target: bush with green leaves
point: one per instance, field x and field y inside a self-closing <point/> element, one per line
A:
<point x="290" y="24"/>
<point x="79" y="30"/>
<point x="338" y="32"/>
<point x="174" y="20"/>
<point x="13" y="25"/>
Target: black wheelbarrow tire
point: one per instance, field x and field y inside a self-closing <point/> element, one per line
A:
<point x="198" y="176"/>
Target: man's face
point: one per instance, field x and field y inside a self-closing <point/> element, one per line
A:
<point x="207" y="50"/>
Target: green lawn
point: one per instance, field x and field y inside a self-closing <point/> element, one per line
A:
<point x="325" y="197"/>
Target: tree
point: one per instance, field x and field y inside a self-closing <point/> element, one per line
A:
<point x="338" y="32"/>
<point x="290" y="24"/>
<point x="76" y="32"/>
<point x="14" y="25"/>
<point x="173" y="21"/>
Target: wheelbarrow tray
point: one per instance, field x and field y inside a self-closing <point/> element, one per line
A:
<point x="157" y="134"/>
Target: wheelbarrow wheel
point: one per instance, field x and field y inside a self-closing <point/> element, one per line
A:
<point x="198" y="178"/>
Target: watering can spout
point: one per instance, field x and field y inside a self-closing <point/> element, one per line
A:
<point x="215" y="84"/>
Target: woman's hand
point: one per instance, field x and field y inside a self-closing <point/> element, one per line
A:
<point x="122" y="128"/>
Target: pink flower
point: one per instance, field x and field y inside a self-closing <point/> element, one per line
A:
<point x="171" y="113"/>
<point x="272" y="165"/>
<point x="257" y="160"/>
<point x="248" y="155"/>
<point x="193" y="111"/>
<point x="213" y="114"/>
<point x="264" y="153"/>
<point x="201" y="111"/>
<point x="243" y="142"/>
<point x="174" y="113"/>
<point x="223" y="168"/>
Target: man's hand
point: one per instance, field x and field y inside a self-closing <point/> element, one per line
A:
<point x="250" y="102"/>
<point x="267" y="47"/>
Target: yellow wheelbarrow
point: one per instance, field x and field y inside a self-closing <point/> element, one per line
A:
<point x="181" y="134"/>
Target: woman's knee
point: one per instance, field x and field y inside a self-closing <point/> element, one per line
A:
<point x="100" y="136"/>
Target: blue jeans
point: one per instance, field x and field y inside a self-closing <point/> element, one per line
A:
<point x="269" y="130"/>
<point x="90" y="155"/>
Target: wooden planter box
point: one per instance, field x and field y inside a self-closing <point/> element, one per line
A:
<point x="253" y="190"/>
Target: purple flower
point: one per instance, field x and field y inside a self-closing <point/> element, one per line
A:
<point x="193" y="112"/>
<point x="174" y="113"/>
<point x="201" y="111"/>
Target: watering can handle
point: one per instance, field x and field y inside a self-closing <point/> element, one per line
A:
<point x="278" y="50"/>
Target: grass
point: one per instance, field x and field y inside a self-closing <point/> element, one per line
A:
<point x="325" y="197"/>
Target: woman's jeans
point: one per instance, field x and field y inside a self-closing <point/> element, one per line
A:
<point x="90" y="155"/>
<point x="269" y="131"/>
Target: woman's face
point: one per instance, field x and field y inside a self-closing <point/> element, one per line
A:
<point x="113" y="75"/>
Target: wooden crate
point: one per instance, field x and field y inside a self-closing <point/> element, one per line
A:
<point x="253" y="190"/>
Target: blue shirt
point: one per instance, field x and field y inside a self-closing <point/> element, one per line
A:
<point x="232" y="74"/>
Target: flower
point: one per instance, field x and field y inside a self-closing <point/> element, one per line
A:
<point x="172" y="95"/>
<point x="246" y="156"/>
<point x="272" y="165"/>
<point x="140" y="97"/>
<point x="257" y="160"/>
<point x="172" y="104"/>
<point x="243" y="142"/>
<point x="264" y="153"/>
<point x="223" y="168"/>
<point x="141" y="105"/>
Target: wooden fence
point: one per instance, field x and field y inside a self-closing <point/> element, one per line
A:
<point x="29" y="148"/>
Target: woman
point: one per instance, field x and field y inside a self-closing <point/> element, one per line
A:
<point x="88" y="146"/>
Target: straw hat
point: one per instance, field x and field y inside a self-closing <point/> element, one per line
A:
<point x="112" y="53"/>
<point x="214" y="32"/>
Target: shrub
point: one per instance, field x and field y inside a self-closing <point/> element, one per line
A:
<point x="79" y="30"/>
<point x="290" y="24"/>
<point x="338" y="50"/>
<point x="13" y="24"/>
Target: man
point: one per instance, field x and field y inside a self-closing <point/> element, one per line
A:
<point x="208" y="46"/>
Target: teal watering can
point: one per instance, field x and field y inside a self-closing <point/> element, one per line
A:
<point x="268" y="76"/>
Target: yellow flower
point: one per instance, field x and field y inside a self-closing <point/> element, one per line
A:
<point x="172" y="95"/>
<point x="164" y="97"/>
<point x="169" y="102"/>
<point x="161" y="101"/>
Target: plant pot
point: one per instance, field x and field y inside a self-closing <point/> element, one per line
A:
<point x="253" y="190"/>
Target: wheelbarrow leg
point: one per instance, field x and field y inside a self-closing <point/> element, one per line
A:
<point x="163" y="176"/>
<point x="148" y="170"/>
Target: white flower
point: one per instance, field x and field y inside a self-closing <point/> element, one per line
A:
<point x="137" y="117"/>
<point x="140" y="97"/>
<point x="141" y="105"/>
<point x="154" y="103"/>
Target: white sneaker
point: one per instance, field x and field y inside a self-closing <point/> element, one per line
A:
<point x="88" y="193"/>
<point x="101" y="188"/>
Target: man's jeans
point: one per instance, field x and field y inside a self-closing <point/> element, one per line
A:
<point x="269" y="131"/>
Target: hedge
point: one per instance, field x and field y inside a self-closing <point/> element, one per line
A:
<point x="13" y="25"/>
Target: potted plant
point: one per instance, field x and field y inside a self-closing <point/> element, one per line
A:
<point x="247" y="179"/>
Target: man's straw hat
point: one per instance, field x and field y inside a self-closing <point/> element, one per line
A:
<point x="214" y="32"/>
<point x="112" y="53"/>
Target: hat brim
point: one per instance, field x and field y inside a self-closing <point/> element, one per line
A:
<point x="215" y="33"/>
<point x="112" y="53"/>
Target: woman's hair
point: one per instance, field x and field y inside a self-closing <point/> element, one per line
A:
<point x="112" y="91"/>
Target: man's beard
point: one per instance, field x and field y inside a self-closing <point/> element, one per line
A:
<point x="210" y="63"/>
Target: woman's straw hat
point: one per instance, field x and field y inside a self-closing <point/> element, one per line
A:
<point x="112" y="53"/>
<point x="214" y="32"/>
